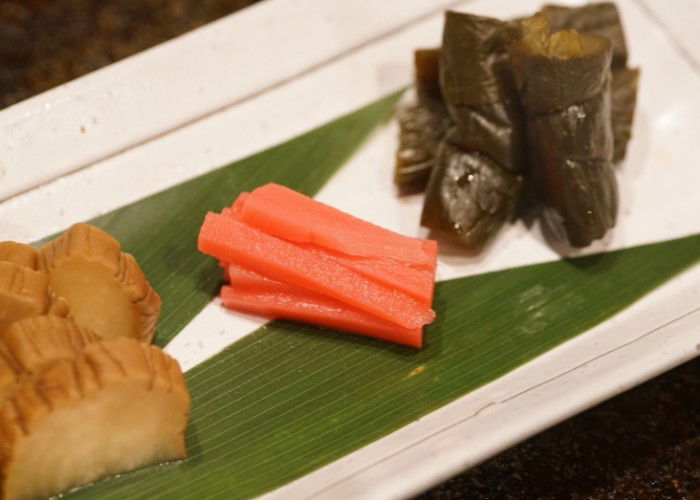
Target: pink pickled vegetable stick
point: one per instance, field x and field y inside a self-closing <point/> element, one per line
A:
<point x="282" y="212"/>
<point x="318" y="310"/>
<point x="227" y="239"/>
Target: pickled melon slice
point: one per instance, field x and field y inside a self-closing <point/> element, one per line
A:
<point x="19" y="253"/>
<point x="121" y="406"/>
<point x="106" y="289"/>
<point x="23" y="293"/>
<point x="32" y="344"/>
<point x="9" y="372"/>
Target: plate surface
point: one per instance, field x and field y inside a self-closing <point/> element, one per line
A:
<point x="138" y="113"/>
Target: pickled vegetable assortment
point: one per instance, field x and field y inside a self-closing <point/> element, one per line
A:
<point x="291" y="257"/>
<point x="546" y="102"/>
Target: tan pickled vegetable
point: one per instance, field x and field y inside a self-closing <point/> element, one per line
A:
<point x="32" y="344"/>
<point x="18" y="253"/>
<point x="121" y="405"/>
<point x="77" y="405"/>
<point x="106" y="289"/>
<point x="24" y="292"/>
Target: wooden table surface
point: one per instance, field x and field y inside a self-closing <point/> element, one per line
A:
<point x="642" y="444"/>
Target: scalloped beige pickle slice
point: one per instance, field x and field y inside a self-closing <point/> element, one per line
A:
<point x="23" y="293"/>
<point x="19" y="253"/>
<point x="32" y="344"/>
<point x="106" y="289"/>
<point x="122" y="405"/>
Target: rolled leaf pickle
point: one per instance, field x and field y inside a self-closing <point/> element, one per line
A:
<point x="426" y="64"/>
<point x="624" y="98"/>
<point x="479" y="89"/>
<point x="603" y="19"/>
<point x="476" y="183"/>
<point x="422" y="124"/>
<point x="469" y="196"/>
<point x="564" y="82"/>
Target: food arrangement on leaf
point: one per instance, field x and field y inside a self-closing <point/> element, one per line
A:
<point x="502" y="108"/>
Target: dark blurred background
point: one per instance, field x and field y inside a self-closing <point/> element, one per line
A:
<point x="643" y="444"/>
<point x="44" y="43"/>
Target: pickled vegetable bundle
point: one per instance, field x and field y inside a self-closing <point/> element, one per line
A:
<point x="546" y="102"/>
<point x="290" y="257"/>
<point x="82" y="394"/>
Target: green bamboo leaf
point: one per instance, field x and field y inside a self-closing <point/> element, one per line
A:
<point x="161" y="230"/>
<point x="288" y="399"/>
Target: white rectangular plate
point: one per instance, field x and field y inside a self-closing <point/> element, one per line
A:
<point x="228" y="90"/>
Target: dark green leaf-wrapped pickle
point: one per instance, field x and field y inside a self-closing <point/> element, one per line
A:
<point x="624" y="99"/>
<point x="422" y="124"/>
<point x="471" y="195"/>
<point x="603" y="19"/>
<point x="476" y="182"/>
<point x="479" y="89"/>
<point x="426" y="64"/>
<point x="564" y="80"/>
